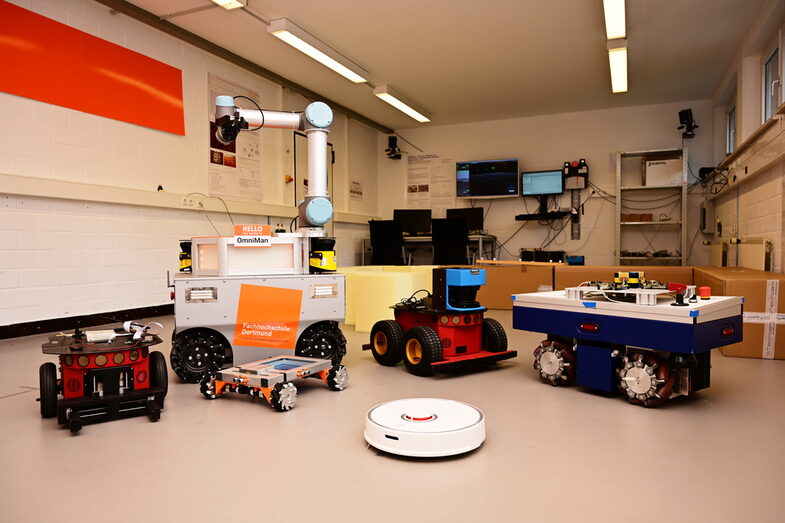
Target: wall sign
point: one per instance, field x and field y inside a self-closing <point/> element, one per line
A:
<point x="57" y="64"/>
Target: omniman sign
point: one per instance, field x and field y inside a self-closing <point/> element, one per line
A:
<point x="252" y="235"/>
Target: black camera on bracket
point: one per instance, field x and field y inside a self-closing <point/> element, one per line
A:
<point x="687" y="123"/>
<point x="393" y="151"/>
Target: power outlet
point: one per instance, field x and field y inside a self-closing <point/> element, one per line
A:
<point x="192" y="202"/>
<point x="734" y="229"/>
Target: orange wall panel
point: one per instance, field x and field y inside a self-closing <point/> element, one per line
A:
<point x="57" y="64"/>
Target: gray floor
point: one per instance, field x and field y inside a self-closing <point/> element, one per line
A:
<point x="552" y="454"/>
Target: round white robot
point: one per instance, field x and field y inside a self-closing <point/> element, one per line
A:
<point x="425" y="427"/>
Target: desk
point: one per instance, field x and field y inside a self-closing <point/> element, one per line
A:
<point x="412" y="241"/>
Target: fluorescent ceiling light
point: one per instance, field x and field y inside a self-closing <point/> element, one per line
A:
<point x="615" y="26"/>
<point x="305" y="42"/>
<point x="617" y="56"/>
<point x="396" y="100"/>
<point x="231" y="4"/>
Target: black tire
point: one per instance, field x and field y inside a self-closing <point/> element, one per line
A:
<point x="159" y="377"/>
<point x="422" y="348"/>
<point x="198" y="353"/>
<point x="207" y="388"/>
<point x="494" y="339"/>
<point x="283" y="396"/>
<point x="47" y="379"/>
<point x="338" y="377"/>
<point x="322" y="340"/>
<point x="74" y="422"/>
<point x="387" y="342"/>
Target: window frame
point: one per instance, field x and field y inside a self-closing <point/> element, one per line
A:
<point x="770" y="94"/>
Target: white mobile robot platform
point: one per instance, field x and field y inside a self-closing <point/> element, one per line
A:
<point x="257" y="294"/>
<point x="649" y="342"/>
<point x="425" y="427"/>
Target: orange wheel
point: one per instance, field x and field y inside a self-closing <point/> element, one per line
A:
<point x="387" y="342"/>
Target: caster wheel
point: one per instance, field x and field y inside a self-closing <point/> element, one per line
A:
<point x="207" y="388"/>
<point x="283" y="396"/>
<point x="338" y="378"/>
<point x="646" y="379"/>
<point x="555" y="362"/>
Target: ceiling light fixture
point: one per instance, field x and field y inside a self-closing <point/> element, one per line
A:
<point x="399" y="102"/>
<point x="615" y="26"/>
<point x="617" y="57"/>
<point x="231" y="4"/>
<point x="303" y="41"/>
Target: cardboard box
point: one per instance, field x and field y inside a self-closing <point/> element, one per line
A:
<point x="508" y="278"/>
<point x="647" y="217"/>
<point x="573" y="275"/>
<point x="764" y="308"/>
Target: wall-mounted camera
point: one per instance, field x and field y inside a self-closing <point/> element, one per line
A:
<point x="687" y="123"/>
<point x="393" y="151"/>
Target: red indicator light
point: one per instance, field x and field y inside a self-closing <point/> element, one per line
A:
<point x="589" y="327"/>
<point x="727" y="331"/>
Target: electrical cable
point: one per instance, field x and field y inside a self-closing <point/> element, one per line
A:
<point x="291" y="223"/>
<point x="231" y="219"/>
<point x="257" y="106"/>
<point x="407" y="141"/>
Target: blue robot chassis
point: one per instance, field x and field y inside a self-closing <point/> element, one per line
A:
<point x="649" y="349"/>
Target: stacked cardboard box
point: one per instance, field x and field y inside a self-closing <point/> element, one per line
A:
<point x="764" y="308"/>
<point x="503" y="279"/>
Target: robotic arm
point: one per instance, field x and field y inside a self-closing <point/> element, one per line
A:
<point x="315" y="121"/>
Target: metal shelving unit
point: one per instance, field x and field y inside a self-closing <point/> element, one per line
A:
<point x="680" y="198"/>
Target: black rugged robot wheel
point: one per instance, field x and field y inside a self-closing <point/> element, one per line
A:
<point x="422" y="348"/>
<point x="387" y="342"/>
<point x="494" y="339"/>
<point x="47" y="379"/>
<point x="198" y="353"/>
<point x="322" y="340"/>
<point x="158" y="376"/>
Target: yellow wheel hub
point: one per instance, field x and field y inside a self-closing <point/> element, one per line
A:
<point x="380" y="343"/>
<point x="413" y="351"/>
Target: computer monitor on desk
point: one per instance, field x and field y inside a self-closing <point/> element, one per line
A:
<point x="473" y="216"/>
<point x="414" y="222"/>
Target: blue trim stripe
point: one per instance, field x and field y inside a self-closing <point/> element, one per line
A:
<point x="590" y="305"/>
<point x="694" y="314"/>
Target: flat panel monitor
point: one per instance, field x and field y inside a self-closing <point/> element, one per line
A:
<point x="486" y="179"/>
<point x="471" y="215"/>
<point x="414" y="222"/>
<point x="537" y="183"/>
<point x="542" y="184"/>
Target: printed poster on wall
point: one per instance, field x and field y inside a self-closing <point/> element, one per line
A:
<point x="355" y="190"/>
<point x="430" y="183"/>
<point x="235" y="170"/>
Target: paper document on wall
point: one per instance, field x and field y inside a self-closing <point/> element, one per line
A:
<point x="235" y="170"/>
<point x="430" y="183"/>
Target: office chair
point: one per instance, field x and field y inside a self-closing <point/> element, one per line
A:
<point x="450" y="238"/>
<point x="386" y="242"/>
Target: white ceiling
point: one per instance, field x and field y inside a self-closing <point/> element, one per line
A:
<point x="468" y="61"/>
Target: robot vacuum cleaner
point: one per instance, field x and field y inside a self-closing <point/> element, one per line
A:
<point x="425" y="427"/>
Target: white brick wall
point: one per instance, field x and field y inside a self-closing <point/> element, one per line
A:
<point x="761" y="211"/>
<point x="66" y="258"/>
